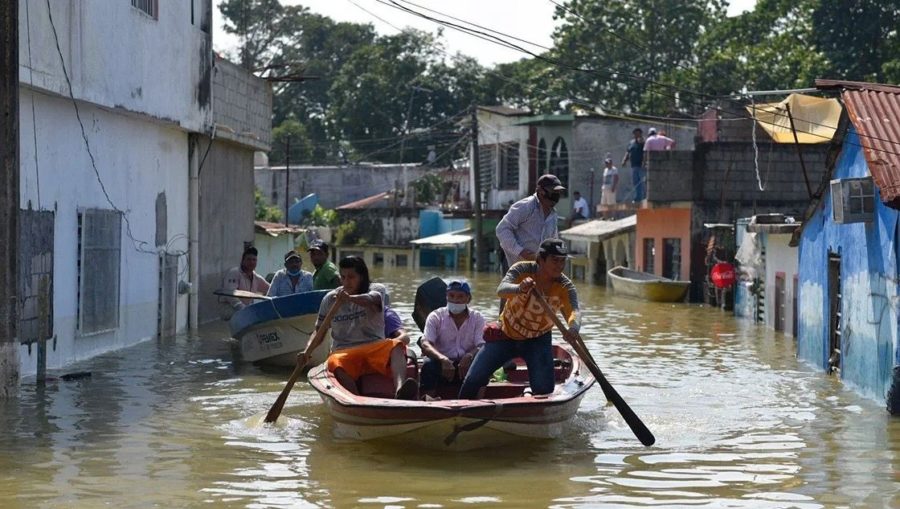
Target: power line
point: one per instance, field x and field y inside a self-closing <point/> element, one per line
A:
<point x="612" y="72"/>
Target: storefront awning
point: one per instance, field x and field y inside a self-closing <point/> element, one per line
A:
<point x="815" y="119"/>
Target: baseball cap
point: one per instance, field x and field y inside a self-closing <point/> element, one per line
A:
<point x="553" y="247"/>
<point x="460" y="286"/>
<point x="550" y="182"/>
<point x="318" y="244"/>
<point x="291" y="254"/>
<point x="652" y="130"/>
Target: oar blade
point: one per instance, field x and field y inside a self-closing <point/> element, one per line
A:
<point x="278" y="406"/>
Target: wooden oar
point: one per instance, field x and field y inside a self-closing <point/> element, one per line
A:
<point x="241" y="294"/>
<point x="276" y="409"/>
<point x="634" y="422"/>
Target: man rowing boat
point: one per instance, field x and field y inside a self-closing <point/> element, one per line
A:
<point x="525" y="328"/>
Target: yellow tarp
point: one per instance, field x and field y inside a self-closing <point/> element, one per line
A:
<point x="815" y="119"/>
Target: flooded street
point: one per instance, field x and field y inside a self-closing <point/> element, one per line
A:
<point x="739" y="422"/>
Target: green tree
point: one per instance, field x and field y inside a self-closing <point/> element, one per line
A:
<point x="264" y="211"/>
<point x="624" y="49"/>
<point x="294" y="133"/>
<point x="859" y="38"/>
<point x="320" y="47"/>
<point x="263" y="26"/>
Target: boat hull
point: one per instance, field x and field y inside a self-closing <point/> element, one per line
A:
<point x="273" y="332"/>
<point x="650" y="288"/>
<point x="455" y="424"/>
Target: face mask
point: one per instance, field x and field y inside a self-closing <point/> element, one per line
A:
<point x="455" y="308"/>
<point x="293" y="274"/>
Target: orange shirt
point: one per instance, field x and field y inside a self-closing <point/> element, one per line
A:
<point x="523" y="317"/>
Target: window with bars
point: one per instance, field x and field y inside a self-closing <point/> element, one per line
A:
<point x="148" y="7"/>
<point x="99" y="253"/>
<point x="649" y="256"/>
<point x="509" y="165"/>
<point x="559" y="161"/>
<point x="672" y="259"/>
<point x="487" y="165"/>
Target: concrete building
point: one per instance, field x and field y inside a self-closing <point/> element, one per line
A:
<point x="770" y="295"/>
<point x="242" y="127"/>
<point x="516" y="147"/>
<point x="335" y="185"/>
<point x="597" y="246"/>
<point x="717" y="182"/>
<point x="112" y="148"/>
<point x="848" y="316"/>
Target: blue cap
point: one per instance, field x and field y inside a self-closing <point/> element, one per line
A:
<point x="460" y="286"/>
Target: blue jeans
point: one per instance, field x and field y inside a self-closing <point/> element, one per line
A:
<point x="639" y="179"/>
<point x="432" y="374"/>
<point x="538" y="356"/>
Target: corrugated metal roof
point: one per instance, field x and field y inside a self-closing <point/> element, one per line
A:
<point x="448" y="239"/>
<point x="275" y="229"/>
<point x="505" y="110"/>
<point x="598" y="230"/>
<point x="874" y="109"/>
<point x="376" y="199"/>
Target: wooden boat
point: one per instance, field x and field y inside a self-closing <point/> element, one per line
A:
<point x="647" y="286"/>
<point x="505" y="413"/>
<point x="272" y="331"/>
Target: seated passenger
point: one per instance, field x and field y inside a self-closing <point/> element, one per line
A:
<point x="452" y="337"/>
<point x="393" y="326"/>
<point x="525" y="325"/>
<point x="357" y="332"/>
<point x="245" y="278"/>
<point x="291" y="279"/>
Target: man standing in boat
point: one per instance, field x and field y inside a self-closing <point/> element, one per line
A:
<point x="292" y="278"/>
<point x="525" y="328"/>
<point x="453" y="335"/>
<point x="243" y="278"/>
<point x="326" y="275"/>
<point x="530" y="221"/>
<point x="357" y="332"/>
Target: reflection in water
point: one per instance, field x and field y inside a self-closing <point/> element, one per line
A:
<point x="739" y="423"/>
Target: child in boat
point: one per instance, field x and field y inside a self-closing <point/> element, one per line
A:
<point x="453" y="335"/>
<point x="525" y="327"/>
<point x="357" y="331"/>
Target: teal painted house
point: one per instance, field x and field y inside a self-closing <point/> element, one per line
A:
<point x="849" y="295"/>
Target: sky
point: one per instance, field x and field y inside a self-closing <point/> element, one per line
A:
<point x="531" y="20"/>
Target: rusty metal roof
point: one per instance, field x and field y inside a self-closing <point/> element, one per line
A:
<point x="874" y="109"/>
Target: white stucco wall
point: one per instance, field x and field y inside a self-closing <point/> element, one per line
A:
<point x="118" y="57"/>
<point x="136" y="161"/>
<point x="780" y="257"/>
<point x="494" y="129"/>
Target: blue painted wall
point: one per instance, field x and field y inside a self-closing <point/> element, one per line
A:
<point x="869" y="286"/>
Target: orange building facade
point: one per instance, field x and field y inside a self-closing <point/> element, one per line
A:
<point x="663" y="242"/>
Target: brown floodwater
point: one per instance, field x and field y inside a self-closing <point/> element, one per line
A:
<point x="739" y="422"/>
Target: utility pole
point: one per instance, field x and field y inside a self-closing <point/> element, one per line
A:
<point x="480" y="251"/>
<point x="287" y="180"/>
<point x="9" y="195"/>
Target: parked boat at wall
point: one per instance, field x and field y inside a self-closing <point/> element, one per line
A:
<point x="504" y="414"/>
<point x="646" y="286"/>
<point x="273" y="331"/>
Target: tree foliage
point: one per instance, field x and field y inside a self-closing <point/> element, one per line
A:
<point x="387" y="98"/>
<point x="264" y="211"/>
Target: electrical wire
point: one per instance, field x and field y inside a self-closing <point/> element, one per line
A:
<point x="612" y="73"/>
<point x="137" y="244"/>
